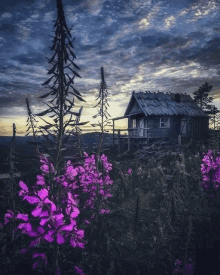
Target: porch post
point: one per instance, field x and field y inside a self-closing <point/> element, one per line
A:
<point x="179" y="140"/>
<point x="119" y="142"/>
<point x="113" y="132"/>
<point x="129" y="141"/>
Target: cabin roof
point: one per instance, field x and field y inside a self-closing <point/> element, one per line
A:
<point x="164" y="104"/>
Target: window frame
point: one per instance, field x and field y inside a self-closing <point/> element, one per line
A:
<point x="166" y="122"/>
<point x="134" y="122"/>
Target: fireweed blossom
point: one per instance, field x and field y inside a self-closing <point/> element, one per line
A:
<point x="25" y="191"/>
<point x="42" y="257"/>
<point x="211" y="175"/>
<point x="45" y="167"/>
<point x="211" y="171"/>
<point x="83" y="178"/>
<point x="61" y="231"/>
<point x="188" y="268"/>
<point x="40" y="180"/>
<point x="129" y="171"/>
<point x="8" y="216"/>
<point x="78" y="270"/>
<point x="81" y="169"/>
<point x="40" y="201"/>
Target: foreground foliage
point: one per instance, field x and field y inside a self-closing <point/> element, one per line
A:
<point x="152" y="222"/>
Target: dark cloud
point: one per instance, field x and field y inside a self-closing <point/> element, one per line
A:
<point x="153" y="45"/>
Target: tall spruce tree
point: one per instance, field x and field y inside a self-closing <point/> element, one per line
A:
<point x="214" y="136"/>
<point x="201" y="97"/>
<point x="103" y="93"/>
<point x="214" y="119"/>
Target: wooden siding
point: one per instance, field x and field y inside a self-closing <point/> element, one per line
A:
<point x="138" y="132"/>
<point x="195" y="127"/>
<point x="185" y="118"/>
<point x="135" y="108"/>
<point x="154" y="127"/>
<point x="199" y="127"/>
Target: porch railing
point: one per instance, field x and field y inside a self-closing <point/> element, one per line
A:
<point x="132" y="133"/>
<point x="138" y="132"/>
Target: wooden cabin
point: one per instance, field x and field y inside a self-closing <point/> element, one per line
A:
<point x="159" y="115"/>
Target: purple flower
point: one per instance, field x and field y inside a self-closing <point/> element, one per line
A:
<point x="40" y="200"/>
<point x="39" y="234"/>
<point x="43" y="258"/>
<point x="52" y="218"/>
<point x="129" y="171"/>
<point x="45" y="167"/>
<point x="40" y="180"/>
<point x="71" y="209"/>
<point x="78" y="270"/>
<point x="25" y="191"/>
<point x="58" y="271"/>
<point x="8" y="216"/>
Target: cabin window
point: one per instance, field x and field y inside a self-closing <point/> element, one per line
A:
<point x="145" y="123"/>
<point x="134" y="123"/>
<point x="164" y="122"/>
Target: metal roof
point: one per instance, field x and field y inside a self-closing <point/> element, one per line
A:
<point x="165" y="104"/>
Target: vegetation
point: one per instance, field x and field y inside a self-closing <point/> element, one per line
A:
<point x="152" y="221"/>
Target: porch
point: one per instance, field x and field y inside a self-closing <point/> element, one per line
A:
<point x="135" y="135"/>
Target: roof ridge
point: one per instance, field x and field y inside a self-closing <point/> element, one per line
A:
<point x="146" y="101"/>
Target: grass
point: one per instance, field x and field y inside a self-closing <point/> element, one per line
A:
<point x="153" y="221"/>
<point x="131" y="240"/>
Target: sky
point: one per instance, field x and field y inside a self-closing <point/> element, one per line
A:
<point x="143" y="45"/>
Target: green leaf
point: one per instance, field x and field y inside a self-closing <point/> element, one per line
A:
<point x="46" y="155"/>
<point x="74" y="113"/>
<point x="53" y="108"/>
<point x="71" y="103"/>
<point x="44" y="113"/>
<point x="75" y="66"/>
<point x="74" y="72"/>
<point x="43" y="96"/>
<point x="46" y="121"/>
<point x="56" y="22"/>
<point x="62" y="149"/>
<point x="48" y="81"/>
<point x="53" y="69"/>
<point x="80" y="123"/>
<point x="70" y="43"/>
<point x="77" y="74"/>
<point x="51" y="60"/>
<point x="66" y="55"/>
<point x="76" y="92"/>
<point x="76" y="95"/>
<point x="46" y="127"/>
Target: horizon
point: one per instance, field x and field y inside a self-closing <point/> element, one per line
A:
<point x="65" y="135"/>
<point x="146" y="45"/>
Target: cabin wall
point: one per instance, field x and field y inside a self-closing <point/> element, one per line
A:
<point x="199" y="127"/>
<point x="196" y="127"/>
<point x="142" y="133"/>
<point x="156" y="132"/>
<point x="135" y="108"/>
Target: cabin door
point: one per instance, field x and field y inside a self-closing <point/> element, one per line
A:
<point x="141" y="127"/>
<point x="183" y="126"/>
